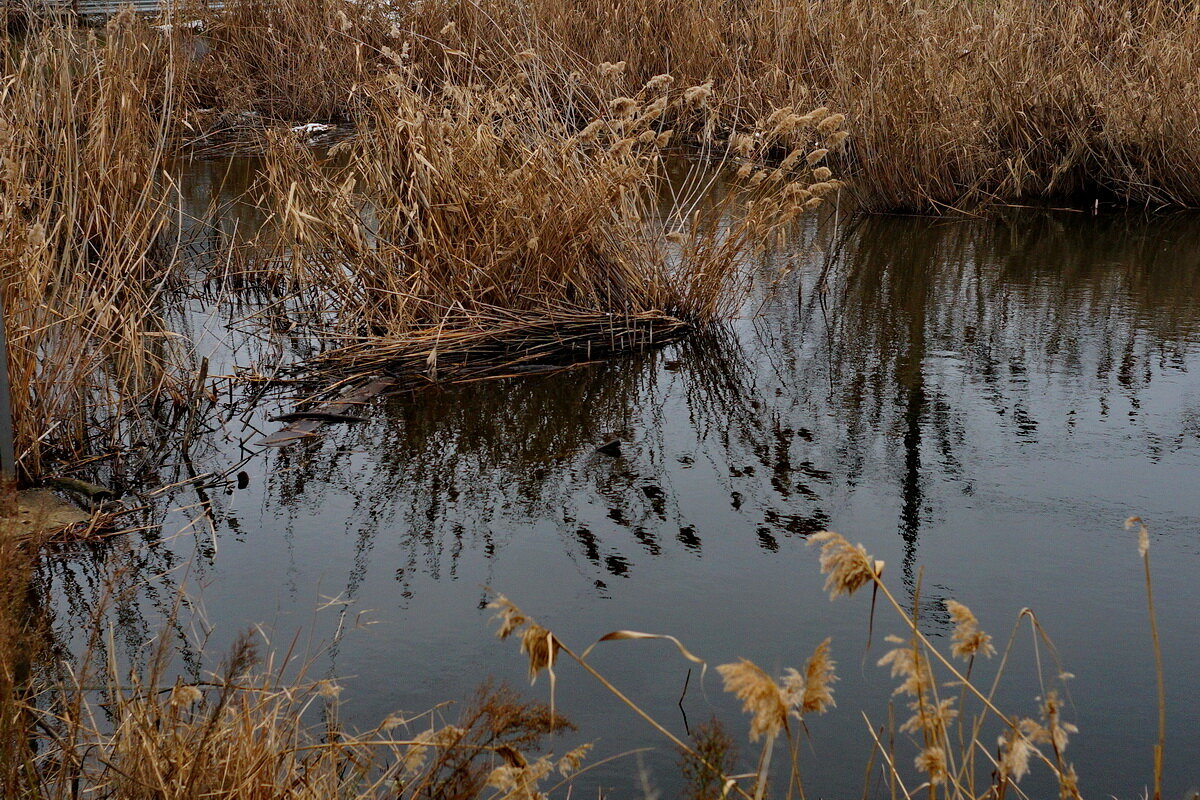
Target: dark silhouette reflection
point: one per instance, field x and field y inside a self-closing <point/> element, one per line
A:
<point x="891" y="361"/>
<point x="866" y="370"/>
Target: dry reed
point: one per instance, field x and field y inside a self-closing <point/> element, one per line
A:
<point x="84" y="135"/>
<point x="469" y="227"/>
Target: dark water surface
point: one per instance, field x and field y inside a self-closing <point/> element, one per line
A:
<point x="983" y="401"/>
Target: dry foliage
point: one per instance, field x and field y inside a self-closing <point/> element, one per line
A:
<point x="475" y="226"/>
<point x="84" y="130"/>
<point x="950" y="103"/>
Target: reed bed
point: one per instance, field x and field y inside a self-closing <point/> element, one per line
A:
<point x="468" y="228"/>
<point x="507" y="159"/>
<point x="85" y="125"/>
<point x="254" y="728"/>
<point x="951" y="104"/>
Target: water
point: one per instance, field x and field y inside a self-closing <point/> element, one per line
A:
<point x="980" y="403"/>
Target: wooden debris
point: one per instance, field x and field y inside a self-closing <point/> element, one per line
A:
<point x="307" y="422"/>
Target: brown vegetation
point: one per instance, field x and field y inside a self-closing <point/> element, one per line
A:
<point x="950" y="103"/>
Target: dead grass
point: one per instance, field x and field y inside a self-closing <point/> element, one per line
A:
<point x="256" y="727"/>
<point x="84" y="134"/>
<point x="951" y="103"/>
<point x="468" y="227"/>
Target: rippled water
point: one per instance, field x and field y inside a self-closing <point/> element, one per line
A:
<point x="980" y="403"/>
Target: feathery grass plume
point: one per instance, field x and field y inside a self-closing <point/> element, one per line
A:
<point x="969" y="640"/>
<point x="1015" y="750"/>
<point x="814" y="689"/>
<point x="698" y="95"/>
<point x="568" y="765"/>
<point x="541" y="647"/>
<point x="185" y="695"/>
<point x="836" y="140"/>
<point x="511" y="618"/>
<point x="831" y="123"/>
<point x="537" y="643"/>
<point x="623" y="106"/>
<point x="1054" y="731"/>
<point x="520" y="781"/>
<point x="932" y="761"/>
<point x="658" y="82"/>
<point x="847" y="567"/>
<point x="610" y="70"/>
<point x="761" y="697"/>
<point x="1143" y="534"/>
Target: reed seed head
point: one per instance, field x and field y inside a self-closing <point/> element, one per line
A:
<point x="541" y="647"/>
<point x="609" y="70"/>
<point x="658" y="82"/>
<point x="698" y="95"/>
<point x="568" y="765"/>
<point x="847" y="567"/>
<point x="623" y="106"/>
<point x="183" y="695"/>
<point x="741" y="143"/>
<point x="822" y="173"/>
<point x="1015" y="750"/>
<point x="836" y="139"/>
<point x="831" y="123"/>
<point x="932" y="761"/>
<point x="761" y="697"/>
<point x="1143" y="534"/>
<point x="819" y="676"/>
<point x="969" y="640"/>
<point x="511" y="618"/>
<point x="589" y="133"/>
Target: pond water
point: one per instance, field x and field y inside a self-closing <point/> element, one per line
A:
<point x="981" y="403"/>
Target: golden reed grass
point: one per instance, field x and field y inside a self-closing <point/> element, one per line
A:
<point x="477" y="224"/>
<point x="949" y="103"/>
<point x="85" y="126"/>
<point x="938" y="103"/>
<point x="258" y="727"/>
<point x="953" y="715"/>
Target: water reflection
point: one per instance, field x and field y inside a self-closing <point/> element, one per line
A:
<point x="883" y="358"/>
<point x="905" y="373"/>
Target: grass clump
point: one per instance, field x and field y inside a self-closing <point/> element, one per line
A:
<point x="469" y="226"/>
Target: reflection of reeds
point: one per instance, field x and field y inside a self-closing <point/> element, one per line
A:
<point x="252" y="729"/>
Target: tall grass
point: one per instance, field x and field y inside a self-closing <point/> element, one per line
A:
<point x="85" y="131"/>
<point x="470" y="225"/>
<point x="951" y="103"/>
